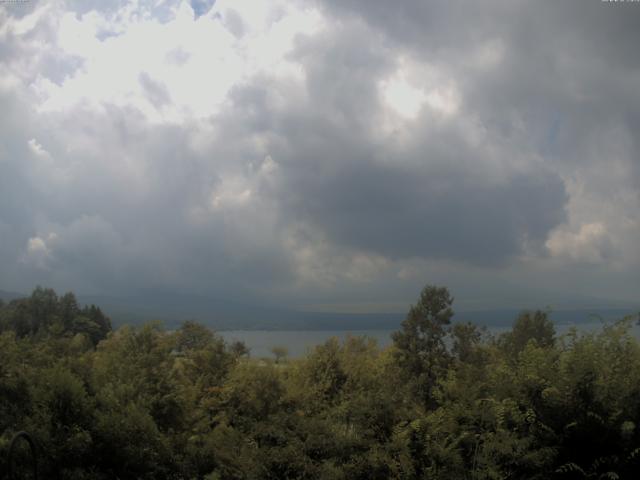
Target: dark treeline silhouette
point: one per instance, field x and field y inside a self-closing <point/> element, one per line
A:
<point x="446" y="401"/>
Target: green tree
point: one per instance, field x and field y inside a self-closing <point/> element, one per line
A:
<point x="193" y="336"/>
<point x="68" y="309"/>
<point x="95" y="315"/>
<point x="466" y="338"/>
<point x="420" y="345"/>
<point x="529" y="326"/>
<point x="239" y="349"/>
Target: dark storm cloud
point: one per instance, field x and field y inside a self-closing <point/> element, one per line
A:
<point x="436" y="199"/>
<point x="119" y="221"/>
<point x="154" y="244"/>
<point x="18" y="197"/>
<point x="422" y="212"/>
<point x="606" y="31"/>
<point x="555" y="80"/>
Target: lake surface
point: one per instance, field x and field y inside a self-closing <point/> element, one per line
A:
<point x="300" y="342"/>
<point x="297" y="342"/>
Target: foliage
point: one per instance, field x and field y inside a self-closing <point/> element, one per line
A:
<point x="444" y="401"/>
<point x="420" y="345"/>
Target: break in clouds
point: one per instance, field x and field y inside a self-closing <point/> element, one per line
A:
<point x="319" y="153"/>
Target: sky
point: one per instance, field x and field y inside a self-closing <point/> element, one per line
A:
<point x="329" y="155"/>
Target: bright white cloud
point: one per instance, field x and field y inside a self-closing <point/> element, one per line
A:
<point x="38" y="251"/>
<point x="589" y="243"/>
<point x="37" y="150"/>
<point x="403" y="97"/>
<point x="416" y="84"/>
<point x="197" y="60"/>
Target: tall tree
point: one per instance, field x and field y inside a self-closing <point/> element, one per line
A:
<point x="420" y="347"/>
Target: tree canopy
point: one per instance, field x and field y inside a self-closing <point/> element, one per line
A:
<point x="445" y="401"/>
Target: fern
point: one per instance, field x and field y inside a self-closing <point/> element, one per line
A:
<point x="571" y="468"/>
<point x="610" y="476"/>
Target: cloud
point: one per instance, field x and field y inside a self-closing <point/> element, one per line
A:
<point x="321" y="151"/>
<point x="155" y="91"/>
<point x="37" y="252"/>
<point x="429" y="211"/>
<point x="590" y="243"/>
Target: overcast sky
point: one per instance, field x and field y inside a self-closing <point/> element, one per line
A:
<point x="334" y="155"/>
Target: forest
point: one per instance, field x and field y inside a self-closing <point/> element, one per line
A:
<point x="446" y="400"/>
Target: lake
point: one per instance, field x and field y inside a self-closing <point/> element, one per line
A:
<point x="299" y="342"/>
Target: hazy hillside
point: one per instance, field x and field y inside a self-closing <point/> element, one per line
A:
<point x="221" y="314"/>
<point x="7" y="296"/>
<point x="228" y="315"/>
